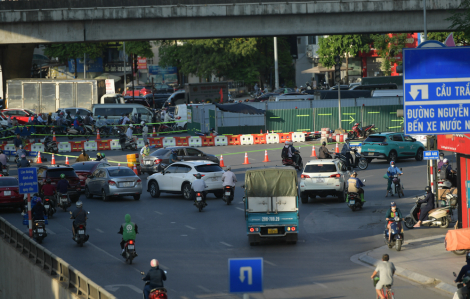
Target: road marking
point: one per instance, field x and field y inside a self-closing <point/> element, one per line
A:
<point x="269" y="263"/>
<point x="184" y="297"/>
<point x="48" y="231"/>
<point x="99" y="230"/>
<point x="320" y="284"/>
<point x="204" y="289"/>
<point x="172" y="222"/>
<point x="108" y="254"/>
<point x="226" y="244"/>
<point x="240" y="209"/>
<point x="115" y="287"/>
<point x="190" y="227"/>
<point x="158" y="213"/>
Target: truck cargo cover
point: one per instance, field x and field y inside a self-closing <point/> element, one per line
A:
<point x="271" y="182"/>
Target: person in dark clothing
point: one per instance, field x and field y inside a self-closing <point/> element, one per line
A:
<point x="462" y="290"/>
<point x="79" y="215"/>
<point x="38" y="211"/>
<point x="390" y="215"/>
<point x="48" y="190"/>
<point x="17" y="141"/>
<point x="23" y="162"/>
<point x="464" y="270"/>
<point x="63" y="185"/>
<point x="323" y="152"/>
<point x="155" y="276"/>
<point x="128" y="230"/>
<point x="429" y="201"/>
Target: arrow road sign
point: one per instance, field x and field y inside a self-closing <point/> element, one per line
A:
<point x="414" y="91"/>
<point x="245" y="275"/>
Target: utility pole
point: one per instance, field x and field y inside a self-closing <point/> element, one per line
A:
<point x="425" y="25"/>
<point x="276" y="67"/>
<point x="125" y="58"/>
<point x="338" y="81"/>
<point x="84" y="66"/>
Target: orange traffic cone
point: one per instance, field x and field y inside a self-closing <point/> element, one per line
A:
<point x="98" y="137"/>
<point x="222" y="161"/>
<point x="53" y="136"/>
<point x="119" y="164"/>
<point x="53" y="160"/>
<point x="266" y="158"/>
<point x="337" y="148"/>
<point x="67" y="160"/>
<point x="314" y="153"/>
<point x="246" y="159"/>
<point x="39" y="158"/>
<point x="135" y="170"/>
<point x="154" y="133"/>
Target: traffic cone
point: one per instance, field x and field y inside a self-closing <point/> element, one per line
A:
<point x="314" y="153"/>
<point x="53" y="160"/>
<point x="98" y="137"/>
<point x="246" y="159"/>
<point x="154" y="133"/>
<point x="222" y="161"/>
<point x="53" y="136"/>
<point x="119" y="164"/>
<point x="337" y="148"/>
<point x="39" y="158"/>
<point x="266" y="158"/>
<point x="135" y="170"/>
<point x="67" y="160"/>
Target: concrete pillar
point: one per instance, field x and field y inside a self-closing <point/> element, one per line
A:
<point x="15" y="63"/>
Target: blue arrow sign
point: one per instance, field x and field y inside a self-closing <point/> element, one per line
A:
<point x="245" y="275"/>
<point x="431" y="155"/>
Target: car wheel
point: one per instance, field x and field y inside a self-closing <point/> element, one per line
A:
<point x="186" y="189"/>
<point x="304" y="197"/>
<point x="104" y="196"/>
<point x="137" y="197"/>
<point x="392" y="156"/>
<point x="419" y="155"/>
<point x="88" y="194"/>
<point x="219" y="194"/>
<point x="342" y="195"/>
<point x="154" y="189"/>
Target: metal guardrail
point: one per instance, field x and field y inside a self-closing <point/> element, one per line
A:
<point x="53" y="265"/>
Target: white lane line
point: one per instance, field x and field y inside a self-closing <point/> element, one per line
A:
<point x="320" y="285"/>
<point x="204" y="289"/>
<point x="226" y="244"/>
<point x="158" y="213"/>
<point x="48" y="231"/>
<point x="108" y="254"/>
<point x="240" y="209"/>
<point x="99" y="230"/>
<point x="190" y="227"/>
<point x="172" y="222"/>
<point x="269" y="263"/>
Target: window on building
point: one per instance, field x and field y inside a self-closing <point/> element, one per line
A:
<point x="312" y="40"/>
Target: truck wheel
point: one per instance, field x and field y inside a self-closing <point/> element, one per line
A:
<point x="304" y="197"/>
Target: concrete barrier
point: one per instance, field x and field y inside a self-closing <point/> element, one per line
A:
<point x="91" y="146"/>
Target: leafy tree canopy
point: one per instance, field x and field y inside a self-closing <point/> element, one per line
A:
<point x="342" y="45"/>
<point x="461" y="19"/>
<point x="459" y="37"/>
<point x="387" y="47"/>
<point x="72" y="51"/>
<point x="139" y="48"/>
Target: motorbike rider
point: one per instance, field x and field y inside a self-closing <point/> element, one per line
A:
<point x="346" y="150"/>
<point x="77" y="113"/>
<point x="101" y="124"/>
<point x="386" y="270"/>
<point x="287" y="151"/>
<point x="229" y="178"/>
<point x="23" y="162"/>
<point x="77" y="126"/>
<point x="462" y="291"/>
<point x="355" y="185"/>
<point x="79" y="215"/>
<point x="125" y="119"/>
<point x="21" y="151"/>
<point x="447" y="171"/>
<point x="199" y="185"/>
<point x="18" y="142"/>
<point x="155" y="277"/>
<point x="167" y="117"/>
<point x="103" y="158"/>
<point x="128" y="231"/>
<point x="323" y="152"/>
<point x="390" y="215"/>
<point x="38" y="211"/>
<point x="83" y="157"/>
<point x="173" y="157"/>
<point x="129" y="131"/>
<point x="465" y="269"/>
<point x="48" y="190"/>
<point x="392" y="171"/>
<point x="62" y="186"/>
<point x="145" y="131"/>
<point x="441" y="161"/>
<point x="429" y="200"/>
<point x="3" y="161"/>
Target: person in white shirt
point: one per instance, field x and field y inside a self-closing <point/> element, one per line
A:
<point x="145" y="131"/>
<point x="101" y="124"/>
<point x="199" y="185"/>
<point x="229" y="178"/>
<point x="126" y="119"/>
<point x="167" y="117"/>
<point x="129" y="131"/>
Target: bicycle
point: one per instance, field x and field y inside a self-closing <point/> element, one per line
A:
<point x="386" y="290"/>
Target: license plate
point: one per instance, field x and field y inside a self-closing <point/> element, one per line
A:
<point x="126" y="184"/>
<point x="272" y="231"/>
<point x="130" y="246"/>
<point x="148" y="162"/>
<point x="46" y="206"/>
<point x="198" y="198"/>
<point x="81" y="231"/>
<point x="352" y="202"/>
<point x="6" y="193"/>
<point x="63" y="200"/>
<point x="214" y="179"/>
<point x="370" y="154"/>
<point x="227" y="193"/>
<point x="320" y="180"/>
<point x="40" y="230"/>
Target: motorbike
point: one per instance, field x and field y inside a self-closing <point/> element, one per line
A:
<point x="80" y="233"/>
<point x="199" y="203"/>
<point x="129" y="251"/>
<point x="71" y="132"/>
<point x="63" y="201"/>
<point x="5" y="171"/>
<point x="126" y="142"/>
<point x="359" y="160"/>
<point x="397" y="187"/>
<point x="396" y="234"/>
<point x="290" y="162"/>
<point x="437" y="217"/>
<point x="158" y="293"/>
<point x="358" y="132"/>
<point x="50" y="146"/>
<point x="49" y="206"/>
<point x="228" y="194"/>
<point x="39" y="230"/>
<point x="353" y="200"/>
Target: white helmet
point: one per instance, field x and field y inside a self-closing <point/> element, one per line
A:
<point x="78" y="204"/>
<point x="445" y="161"/>
<point x="131" y="126"/>
<point x="142" y="123"/>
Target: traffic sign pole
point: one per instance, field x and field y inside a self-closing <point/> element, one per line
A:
<point x="30" y="219"/>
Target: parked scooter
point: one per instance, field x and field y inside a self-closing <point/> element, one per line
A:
<point x="396" y="234"/>
<point x="129" y="251"/>
<point x="290" y="162"/>
<point x="199" y="203"/>
<point x="49" y="206"/>
<point x="126" y="142"/>
<point x="71" y="132"/>
<point x="50" y="146"/>
<point x="437" y="217"/>
<point x="353" y="200"/>
<point x="63" y="201"/>
<point x="39" y="230"/>
<point x="358" y="132"/>
<point x="80" y="233"/>
<point x="228" y="194"/>
<point x="158" y="293"/>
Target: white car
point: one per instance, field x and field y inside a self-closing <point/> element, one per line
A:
<point x="177" y="178"/>
<point x="323" y="177"/>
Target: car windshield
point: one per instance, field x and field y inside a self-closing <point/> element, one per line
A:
<point x="7" y="182"/>
<point x="55" y="173"/>
<point x="83" y="166"/>
<point x="208" y="168"/>
<point x="373" y="138"/>
<point x="320" y="168"/>
<point x="121" y="172"/>
<point x="160" y="152"/>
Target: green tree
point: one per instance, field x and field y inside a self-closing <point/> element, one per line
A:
<point x="343" y="45"/>
<point x="64" y="52"/>
<point x="461" y="19"/>
<point x="459" y="37"/>
<point x="140" y="48"/>
<point x="388" y="46"/>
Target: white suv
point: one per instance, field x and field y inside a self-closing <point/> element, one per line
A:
<point x="323" y="177"/>
<point x="177" y="178"/>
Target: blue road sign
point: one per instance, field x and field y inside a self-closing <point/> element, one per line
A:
<point x="431" y="155"/>
<point x="245" y="275"/>
<point x="28" y="180"/>
<point x="436" y="87"/>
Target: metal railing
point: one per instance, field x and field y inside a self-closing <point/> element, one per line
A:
<point x="53" y="265"/>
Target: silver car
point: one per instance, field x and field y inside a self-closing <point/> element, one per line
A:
<point x="113" y="181"/>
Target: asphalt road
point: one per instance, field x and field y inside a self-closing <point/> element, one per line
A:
<point x="194" y="247"/>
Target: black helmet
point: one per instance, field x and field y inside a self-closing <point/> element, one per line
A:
<point x="48" y="181"/>
<point x="467" y="257"/>
<point x="198" y="175"/>
<point x="441" y="154"/>
<point x="323" y="143"/>
<point x="83" y="151"/>
<point x="427" y="189"/>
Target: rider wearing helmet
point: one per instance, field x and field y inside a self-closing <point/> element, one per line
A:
<point x="199" y="185"/>
<point x="62" y="185"/>
<point x="323" y="152"/>
<point x="21" y="151"/>
<point x="355" y="185"/>
<point x="145" y="131"/>
<point x="103" y="158"/>
<point x="465" y="269"/>
<point x="129" y="131"/>
<point x="390" y="215"/>
<point x="391" y="171"/>
<point x="441" y="161"/>
<point x="79" y="215"/>
<point x="38" y="211"/>
<point x="173" y="157"/>
<point x="346" y="150"/>
<point x="23" y="162"/>
<point x="155" y="277"/>
<point x="48" y="190"/>
<point x="83" y="157"/>
<point x="429" y="201"/>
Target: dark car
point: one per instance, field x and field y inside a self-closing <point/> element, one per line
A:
<point x="160" y="99"/>
<point x="159" y="159"/>
<point x="284" y="90"/>
<point x="10" y="193"/>
<point x="85" y="169"/>
<point x="342" y="87"/>
<point x="163" y="88"/>
<point x="53" y="172"/>
<point x="136" y="100"/>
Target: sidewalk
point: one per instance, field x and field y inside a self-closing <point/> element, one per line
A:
<point x="422" y="260"/>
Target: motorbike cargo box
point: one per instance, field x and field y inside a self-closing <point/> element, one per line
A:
<point x="441" y="193"/>
<point x="458" y="239"/>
